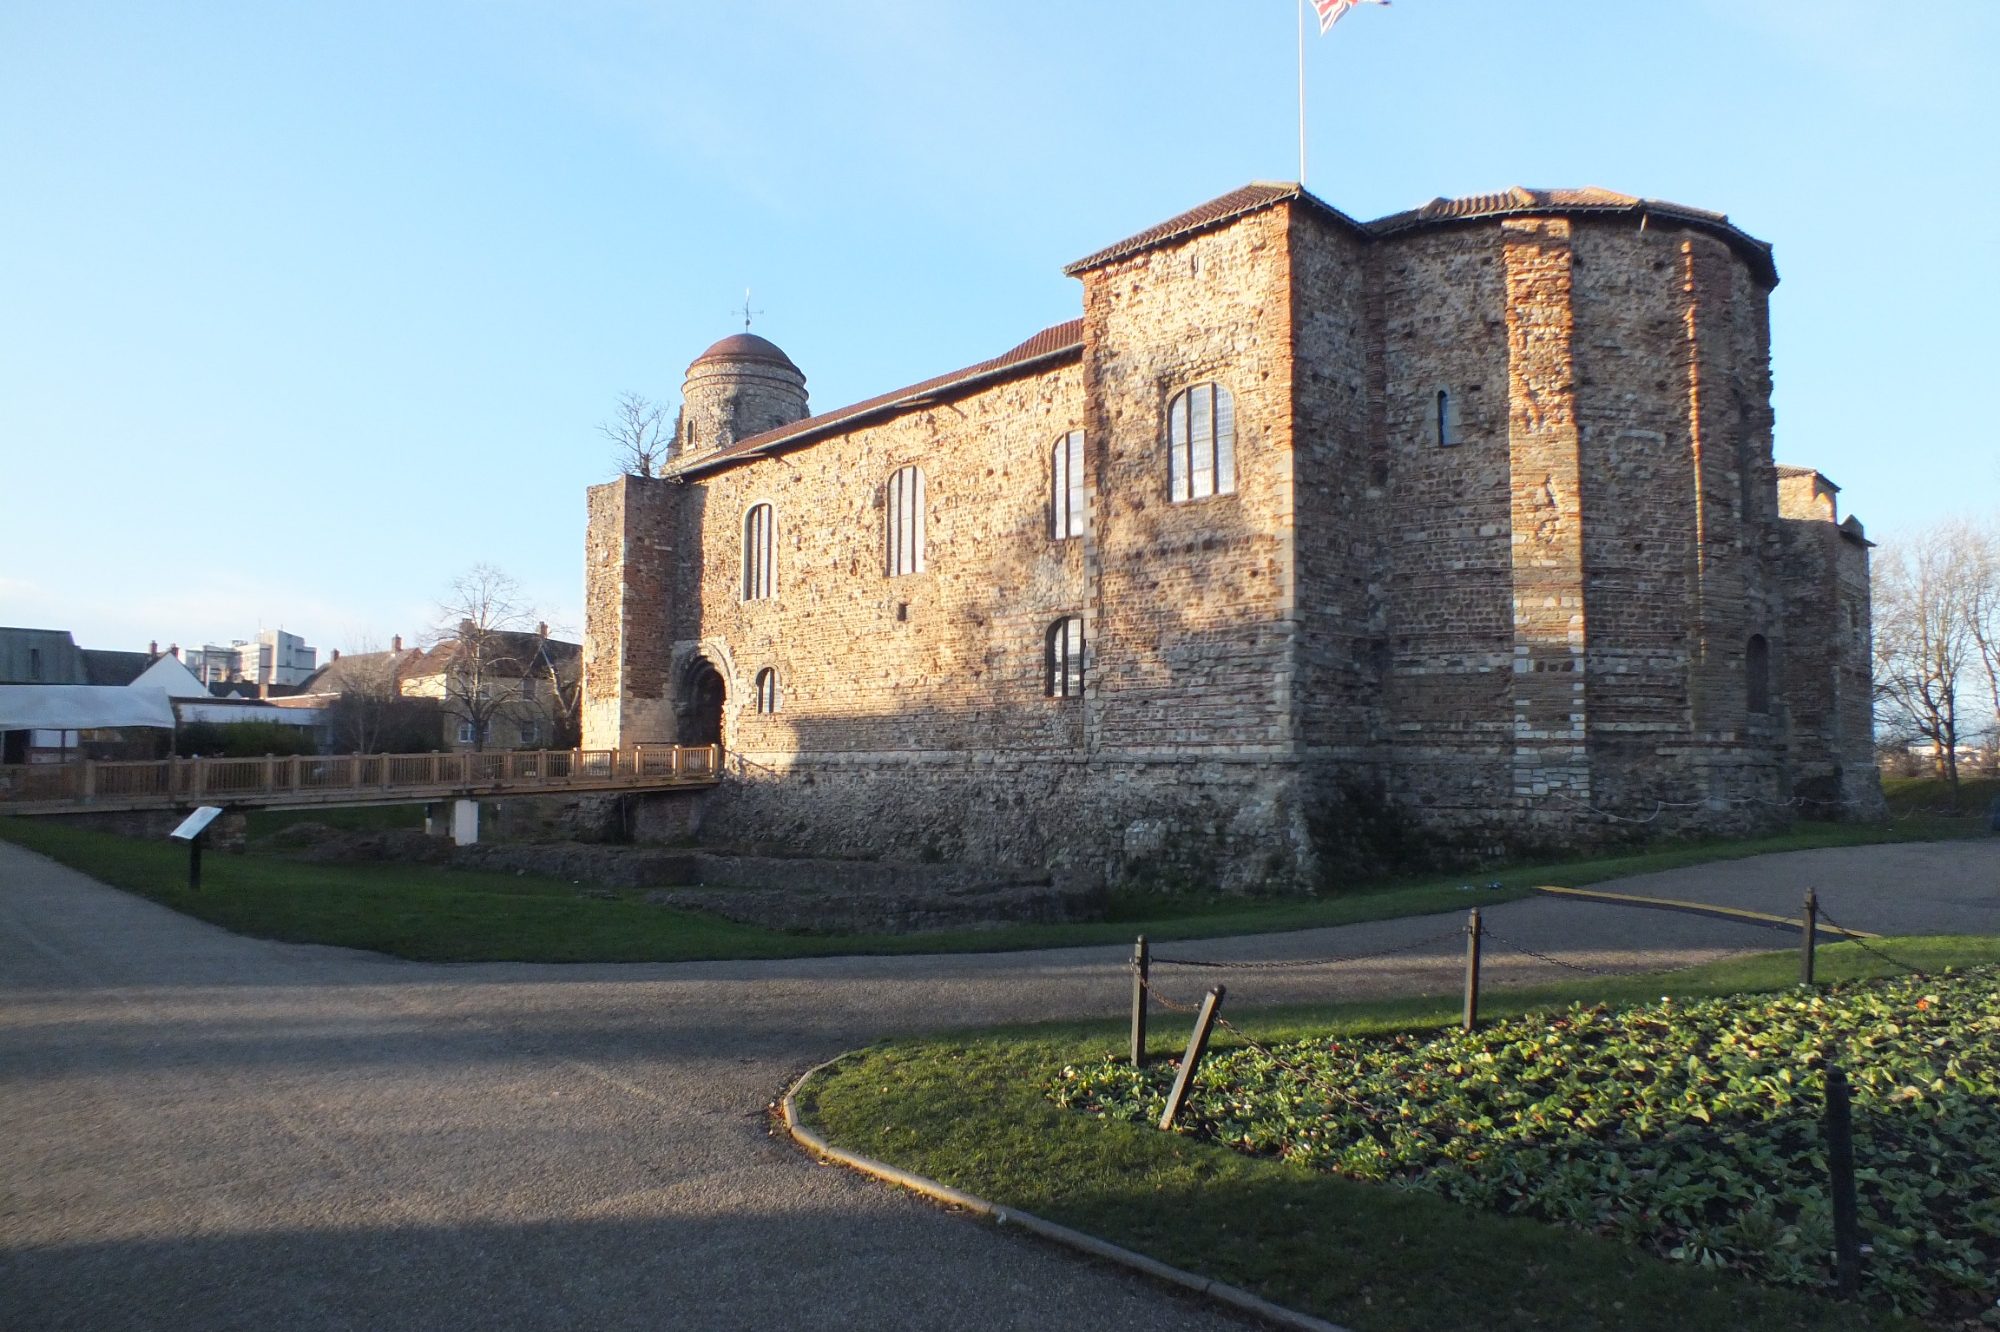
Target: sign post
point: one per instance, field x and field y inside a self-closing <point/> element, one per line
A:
<point x="190" y="831"/>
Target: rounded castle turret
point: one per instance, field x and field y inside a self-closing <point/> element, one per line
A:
<point x="742" y="386"/>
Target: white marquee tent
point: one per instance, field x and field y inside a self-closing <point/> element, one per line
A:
<point x="83" y="707"/>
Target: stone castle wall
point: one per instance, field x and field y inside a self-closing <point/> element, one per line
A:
<point x="1521" y="614"/>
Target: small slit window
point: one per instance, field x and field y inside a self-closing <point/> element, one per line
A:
<point x="1757" y="669"/>
<point x="1066" y="486"/>
<point x="759" y="574"/>
<point x="906" y="521"/>
<point x="1064" y="676"/>
<point x="1446" y="438"/>
<point x="1201" y="443"/>
<point x="767" y="690"/>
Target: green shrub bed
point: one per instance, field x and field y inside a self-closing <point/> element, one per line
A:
<point x="1689" y="1128"/>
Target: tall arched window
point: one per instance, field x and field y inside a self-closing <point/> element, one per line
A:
<point x="759" y="553"/>
<point x="906" y="521"/>
<point x="1201" y="443"/>
<point x="1757" y="670"/>
<point x="1066" y="486"/>
<point x="767" y="690"/>
<point x="1064" y="674"/>
<point x="1445" y="437"/>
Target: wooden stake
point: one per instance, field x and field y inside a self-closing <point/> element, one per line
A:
<point x="1472" y="935"/>
<point x="1197" y="1047"/>
<point x="1141" y="968"/>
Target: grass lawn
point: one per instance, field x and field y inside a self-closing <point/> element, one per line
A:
<point x="433" y="914"/>
<point x="976" y="1112"/>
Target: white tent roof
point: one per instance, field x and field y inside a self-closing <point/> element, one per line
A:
<point x="172" y="675"/>
<point x="83" y="707"/>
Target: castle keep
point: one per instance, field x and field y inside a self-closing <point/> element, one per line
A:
<point x="1462" y="521"/>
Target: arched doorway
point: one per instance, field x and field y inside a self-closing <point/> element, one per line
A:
<point x="702" y="694"/>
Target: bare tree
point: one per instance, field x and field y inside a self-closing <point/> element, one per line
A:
<point x="561" y="665"/>
<point x="485" y="645"/>
<point x="370" y="689"/>
<point x="1937" y="639"/>
<point x="641" y="434"/>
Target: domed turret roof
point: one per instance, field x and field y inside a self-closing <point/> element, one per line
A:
<point x="746" y="347"/>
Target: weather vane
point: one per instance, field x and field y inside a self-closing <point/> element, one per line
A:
<point x="747" y="311"/>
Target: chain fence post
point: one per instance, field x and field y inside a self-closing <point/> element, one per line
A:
<point x="1840" y="1167"/>
<point x="1141" y="970"/>
<point x="1470" y="1021"/>
<point x="1197" y="1047"/>
<point x="1808" y="937"/>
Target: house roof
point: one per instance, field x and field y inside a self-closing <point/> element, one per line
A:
<point x="105" y="666"/>
<point x="343" y="673"/>
<point x="515" y="653"/>
<point x="1052" y="345"/>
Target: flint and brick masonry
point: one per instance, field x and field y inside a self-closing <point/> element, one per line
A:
<point x="1455" y="530"/>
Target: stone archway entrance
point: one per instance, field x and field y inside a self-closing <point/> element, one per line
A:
<point x="702" y="694"/>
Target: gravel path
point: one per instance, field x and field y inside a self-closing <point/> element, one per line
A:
<point x="200" y="1131"/>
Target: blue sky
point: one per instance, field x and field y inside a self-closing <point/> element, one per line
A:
<point x="304" y="309"/>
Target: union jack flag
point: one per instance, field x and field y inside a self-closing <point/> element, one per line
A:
<point x="1330" y="10"/>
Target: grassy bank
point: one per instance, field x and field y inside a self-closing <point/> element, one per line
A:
<point x="975" y="1111"/>
<point x="434" y="914"/>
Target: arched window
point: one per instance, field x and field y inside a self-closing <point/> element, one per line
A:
<point x="1066" y="486"/>
<point x="1201" y="443"/>
<point x="1445" y="437"/>
<point x="767" y="690"/>
<point x="1064" y="676"/>
<point x="759" y="563"/>
<point x="1757" y="670"/>
<point x="906" y="521"/>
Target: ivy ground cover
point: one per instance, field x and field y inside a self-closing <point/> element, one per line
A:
<point x="1689" y="1128"/>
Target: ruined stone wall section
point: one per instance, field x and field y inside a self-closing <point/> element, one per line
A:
<point x="1854" y="715"/>
<point x="1720" y="610"/>
<point x="1443" y="571"/>
<point x="629" y="566"/>
<point x="1550" y="683"/>
<point x="1828" y="681"/>
<point x="1194" y="606"/>
<point x="1636" y="452"/>
<point x="950" y="659"/>
<point x="1341" y="654"/>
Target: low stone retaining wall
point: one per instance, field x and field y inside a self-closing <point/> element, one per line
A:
<point x="779" y="892"/>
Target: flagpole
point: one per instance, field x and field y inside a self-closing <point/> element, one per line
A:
<point x="1302" y="93"/>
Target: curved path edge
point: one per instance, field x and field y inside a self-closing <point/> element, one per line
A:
<point x="1220" y="1291"/>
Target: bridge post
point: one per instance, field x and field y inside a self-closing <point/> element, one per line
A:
<point x="89" y="778"/>
<point x="465" y="822"/>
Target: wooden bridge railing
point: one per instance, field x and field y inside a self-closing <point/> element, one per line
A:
<point x="347" y="778"/>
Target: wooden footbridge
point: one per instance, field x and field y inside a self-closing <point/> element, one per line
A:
<point x="349" y="779"/>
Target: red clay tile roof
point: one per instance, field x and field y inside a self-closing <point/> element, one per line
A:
<point x="1052" y="344"/>
<point x="1252" y="198"/>
<point x="1591" y="199"/>
<point x="745" y="347"/>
